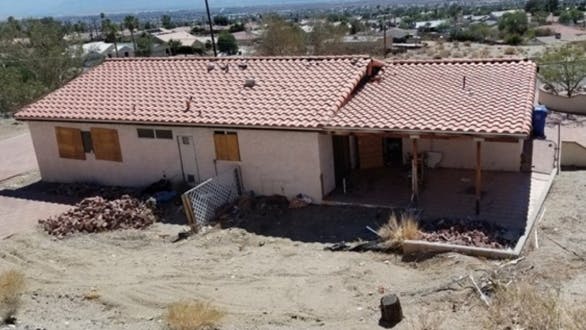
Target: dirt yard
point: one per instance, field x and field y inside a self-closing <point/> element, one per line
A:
<point x="270" y="278"/>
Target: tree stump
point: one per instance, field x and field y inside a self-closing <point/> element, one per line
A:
<point x="391" y="312"/>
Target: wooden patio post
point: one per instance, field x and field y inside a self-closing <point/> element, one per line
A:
<point x="414" y="169"/>
<point x="478" y="184"/>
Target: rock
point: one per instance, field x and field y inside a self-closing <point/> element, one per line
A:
<point x="96" y="214"/>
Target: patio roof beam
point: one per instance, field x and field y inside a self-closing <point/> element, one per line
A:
<point x="478" y="182"/>
<point x="504" y="139"/>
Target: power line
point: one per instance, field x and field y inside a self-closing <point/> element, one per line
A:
<point x="211" y="28"/>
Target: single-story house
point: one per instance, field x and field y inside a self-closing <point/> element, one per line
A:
<point x="184" y="37"/>
<point x="292" y="124"/>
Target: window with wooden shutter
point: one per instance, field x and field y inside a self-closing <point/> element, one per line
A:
<point x="227" y="147"/>
<point x="70" y="143"/>
<point x="106" y="144"/>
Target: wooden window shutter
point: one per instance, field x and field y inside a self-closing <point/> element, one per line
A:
<point x="70" y="143"/>
<point x="106" y="144"/>
<point x="227" y="147"/>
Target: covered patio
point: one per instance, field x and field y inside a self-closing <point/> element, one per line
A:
<point x="446" y="193"/>
<point x="505" y="198"/>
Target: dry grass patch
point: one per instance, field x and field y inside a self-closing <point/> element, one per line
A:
<point x="192" y="315"/>
<point x="11" y="287"/>
<point x="93" y="294"/>
<point x="396" y="231"/>
<point x="522" y="306"/>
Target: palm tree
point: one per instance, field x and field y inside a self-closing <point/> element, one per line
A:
<point x="131" y="23"/>
<point x="111" y="31"/>
<point x="103" y="24"/>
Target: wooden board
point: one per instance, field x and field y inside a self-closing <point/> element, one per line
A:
<point x="370" y="151"/>
<point x="106" y="144"/>
<point x="70" y="143"/>
<point x="227" y="147"/>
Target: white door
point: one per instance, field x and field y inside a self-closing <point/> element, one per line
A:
<point x="188" y="160"/>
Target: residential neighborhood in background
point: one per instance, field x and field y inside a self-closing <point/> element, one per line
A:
<point x="293" y="164"/>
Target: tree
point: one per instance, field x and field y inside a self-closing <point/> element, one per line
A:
<point x="131" y="23"/>
<point x="30" y="69"/>
<point x="326" y="39"/>
<point x="103" y="24"/>
<point x="111" y="31"/>
<point x="572" y="15"/>
<point x="166" y="22"/>
<point x="174" y="46"/>
<point x="564" y="69"/>
<point x="227" y="43"/>
<point x="552" y="6"/>
<point x="237" y="27"/>
<point x="281" y="38"/>
<point x="514" y="26"/>
<point x="535" y="6"/>
<point x="144" y="45"/>
<point x="221" y="20"/>
<point x="356" y="26"/>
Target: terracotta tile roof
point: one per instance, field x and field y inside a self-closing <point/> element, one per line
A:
<point x="470" y="96"/>
<point x="300" y="92"/>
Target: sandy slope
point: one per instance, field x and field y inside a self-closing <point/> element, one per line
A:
<point x="260" y="282"/>
<point x="270" y="283"/>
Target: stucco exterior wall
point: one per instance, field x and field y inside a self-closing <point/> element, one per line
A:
<point x="144" y="160"/>
<point x="279" y="162"/>
<point x="272" y="162"/>
<point x="461" y="153"/>
<point x="576" y="104"/>
<point x="573" y="154"/>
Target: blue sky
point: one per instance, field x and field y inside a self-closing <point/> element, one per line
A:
<point x="28" y="8"/>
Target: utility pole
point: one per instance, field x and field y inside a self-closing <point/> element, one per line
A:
<point x="211" y="28"/>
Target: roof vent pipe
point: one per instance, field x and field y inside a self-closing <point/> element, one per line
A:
<point x="464" y="82"/>
<point x="250" y="82"/>
<point x="210" y="67"/>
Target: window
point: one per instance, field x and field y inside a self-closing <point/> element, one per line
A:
<point x="164" y="134"/>
<point x="149" y="133"/>
<point x="227" y="146"/>
<point x="70" y="143"/>
<point x="86" y="138"/>
<point x="145" y="133"/>
<point x="106" y="144"/>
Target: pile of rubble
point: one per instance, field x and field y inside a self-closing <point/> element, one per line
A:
<point x="467" y="232"/>
<point x="96" y="214"/>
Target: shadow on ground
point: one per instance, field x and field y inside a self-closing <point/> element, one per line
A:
<point x="42" y="192"/>
<point x="170" y="212"/>
<point x="313" y="224"/>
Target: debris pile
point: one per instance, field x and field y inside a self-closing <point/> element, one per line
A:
<point x="468" y="233"/>
<point x="96" y="214"/>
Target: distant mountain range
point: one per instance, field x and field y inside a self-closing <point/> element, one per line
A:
<point x="36" y="8"/>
